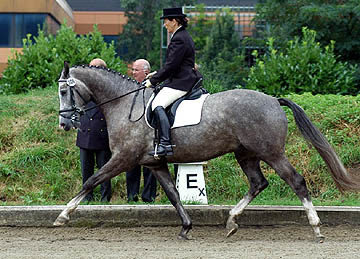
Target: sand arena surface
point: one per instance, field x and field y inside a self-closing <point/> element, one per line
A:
<point x="161" y="242"/>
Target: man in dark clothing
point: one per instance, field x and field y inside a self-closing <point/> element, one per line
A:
<point x="133" y="183"/>
<point x="140" y="69"/>
<point x="93" y="141"/>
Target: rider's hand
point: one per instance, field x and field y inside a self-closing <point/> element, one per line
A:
<point x="147" y="83"/>
<point x="148" y="76"/>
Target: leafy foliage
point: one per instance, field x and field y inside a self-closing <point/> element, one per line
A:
<point x="304" y="66"/>
<point x="155" y="57"/>
<point x="333" y="20"/>
<point x="221" y="58"/>
<point x="200" y="27"/>
<point x="217" y="46"/>
<point x="137" y="36"/>
<point x="41" y="60"/>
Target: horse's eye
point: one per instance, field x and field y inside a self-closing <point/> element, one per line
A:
<point x="63" y="92"/>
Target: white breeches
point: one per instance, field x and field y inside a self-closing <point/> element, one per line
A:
<point x="166" y="96"/>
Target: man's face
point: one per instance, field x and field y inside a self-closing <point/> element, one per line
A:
<point x="138" y="71"/>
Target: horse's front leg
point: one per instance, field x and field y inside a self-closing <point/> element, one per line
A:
<point x="162" y="174"/>
<point x="109" y="170"/>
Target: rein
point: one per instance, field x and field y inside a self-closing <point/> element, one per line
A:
<point x="115" y="98"/>
<point x="71" y="83"/>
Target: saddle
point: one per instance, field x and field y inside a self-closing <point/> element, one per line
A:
<point x="195" y="93"/>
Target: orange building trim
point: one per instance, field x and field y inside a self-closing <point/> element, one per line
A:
<point x="109" y="23"/>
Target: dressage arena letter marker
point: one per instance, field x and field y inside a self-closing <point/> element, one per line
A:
<point x="191" y="178"/>
<point x="190" y="183"/>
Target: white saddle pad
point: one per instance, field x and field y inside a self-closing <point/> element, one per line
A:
<point x="188" y="112"/>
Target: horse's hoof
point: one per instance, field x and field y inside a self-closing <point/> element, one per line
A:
<point x="183" y="237"/>
<point x="231" y="232"/>
<point x="60" y="221"/>
<point x="320" y="239"/>
<point x="184" y="231"/>
<point x="232" y="227"/>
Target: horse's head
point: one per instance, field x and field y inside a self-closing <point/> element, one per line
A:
<point x="73" y="95"/>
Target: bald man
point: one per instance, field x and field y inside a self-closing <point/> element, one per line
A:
<point x="93" y="141"/>
<point x="140" y="69"/>
<point x="97" y="62"/>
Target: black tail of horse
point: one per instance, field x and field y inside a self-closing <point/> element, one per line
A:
<point x="343" y="180"/>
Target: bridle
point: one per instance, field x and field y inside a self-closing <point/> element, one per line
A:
<point x="71" y="83"/>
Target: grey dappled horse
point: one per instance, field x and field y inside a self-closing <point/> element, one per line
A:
<point x="248" y="123"/>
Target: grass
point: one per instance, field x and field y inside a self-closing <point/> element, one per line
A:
<point x="39" y="163"/>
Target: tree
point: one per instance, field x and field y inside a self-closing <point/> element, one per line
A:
<point x="140" y="29"/>
<point x="200" y="26"/>
<point x="336" y="20"/>
<point x="222" y="58"/>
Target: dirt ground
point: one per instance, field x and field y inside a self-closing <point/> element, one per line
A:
<point x="162" y="242"/>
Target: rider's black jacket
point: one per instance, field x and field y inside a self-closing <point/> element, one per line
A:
<point x="178" y="71"/>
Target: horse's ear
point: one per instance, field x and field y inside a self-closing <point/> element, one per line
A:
<point x="65" y="72"/>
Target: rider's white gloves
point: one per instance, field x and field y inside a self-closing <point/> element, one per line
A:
<point x="148" y="76"/>
<point x="147" y="83"/>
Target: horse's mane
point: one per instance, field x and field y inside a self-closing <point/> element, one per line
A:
<point x="109" y="70"/>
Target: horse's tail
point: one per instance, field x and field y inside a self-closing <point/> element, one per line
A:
<point x="343" y="180"/>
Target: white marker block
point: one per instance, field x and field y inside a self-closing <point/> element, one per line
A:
<point x="190" y="182"/>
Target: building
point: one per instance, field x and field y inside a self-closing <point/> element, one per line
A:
<point x="109" y="15"/>
<point x="19" y="17"/>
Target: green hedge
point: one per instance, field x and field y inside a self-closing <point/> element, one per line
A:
<point x="304" y="66"/>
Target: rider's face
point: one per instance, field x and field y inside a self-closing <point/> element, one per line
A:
<point x="170" y="25"/>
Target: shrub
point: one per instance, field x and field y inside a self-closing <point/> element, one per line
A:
<point x="42" y="58"/>
<point x="304" y="66"/>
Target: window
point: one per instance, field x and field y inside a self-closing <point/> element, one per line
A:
<point x="15" y="27"/>
<point x="120" y="48"/>
<point x="109" y="38"/>
<point x="5" y="29"/>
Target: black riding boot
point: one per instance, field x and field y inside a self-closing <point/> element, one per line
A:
<point x="163" y="126"/>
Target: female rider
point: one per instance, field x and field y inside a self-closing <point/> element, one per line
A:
<point x="178" y="74"/>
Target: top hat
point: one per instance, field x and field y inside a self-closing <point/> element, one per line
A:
<point x="172" y="13"/>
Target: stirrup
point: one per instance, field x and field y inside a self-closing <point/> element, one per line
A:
<point x="167" y="151"/>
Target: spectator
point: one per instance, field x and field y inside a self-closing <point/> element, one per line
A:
<point x="140" y="69"/>
<point x="93" y="141"/>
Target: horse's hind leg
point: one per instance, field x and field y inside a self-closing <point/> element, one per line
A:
<point x="162" y="174"/>
<point x="251" y="168"/>
<point x="288" y="173"/>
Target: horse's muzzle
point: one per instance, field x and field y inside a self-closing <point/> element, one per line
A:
<point x="65" y="124"/>
<point x="65" y="127"/>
